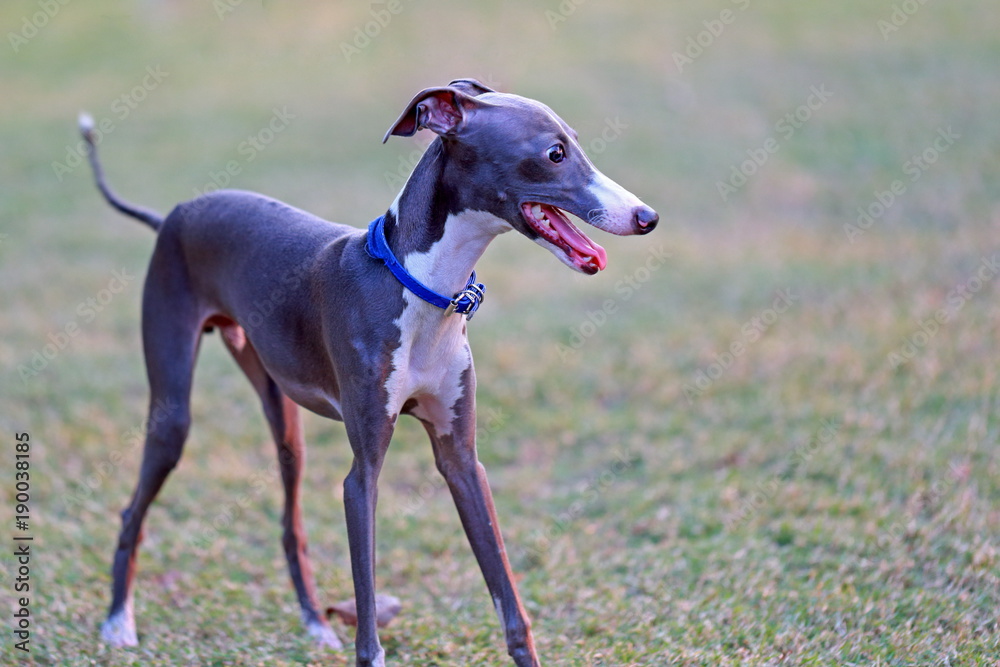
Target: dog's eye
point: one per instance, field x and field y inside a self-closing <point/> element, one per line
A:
<point x="557" y="153"/>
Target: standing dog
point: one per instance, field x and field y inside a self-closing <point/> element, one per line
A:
<point x="360" y="327"/>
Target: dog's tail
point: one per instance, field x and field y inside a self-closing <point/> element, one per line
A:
<point x="151" y="218"/>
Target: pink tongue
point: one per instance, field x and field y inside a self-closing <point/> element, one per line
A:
<point x="587" y="251"/>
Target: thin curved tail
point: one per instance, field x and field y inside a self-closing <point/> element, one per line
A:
<point x="151" y="218"/>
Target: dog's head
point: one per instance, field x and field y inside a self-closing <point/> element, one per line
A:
<point x="515" y="158"/>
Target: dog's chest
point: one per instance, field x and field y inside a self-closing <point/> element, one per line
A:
<point x="432" y="356"/>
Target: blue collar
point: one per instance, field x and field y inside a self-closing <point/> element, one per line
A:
<point x="465" y="302"/>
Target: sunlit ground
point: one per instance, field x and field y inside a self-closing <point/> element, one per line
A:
<point x="766" y="434"/>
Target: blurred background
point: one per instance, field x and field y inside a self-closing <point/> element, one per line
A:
<point x="766" y="434"/>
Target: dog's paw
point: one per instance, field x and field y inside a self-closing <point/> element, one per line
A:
<point x="324" y="637"/>
<point x="119" y="630"/>
<point x="387" y="607"/>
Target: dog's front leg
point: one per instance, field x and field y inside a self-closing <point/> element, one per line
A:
<point x="369" y="433"/>
<point x="453" y="435"/>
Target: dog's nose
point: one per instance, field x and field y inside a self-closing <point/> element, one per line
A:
<point x="645" y="219"/>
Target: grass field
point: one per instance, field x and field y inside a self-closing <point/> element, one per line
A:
<point x="765" y="435"/>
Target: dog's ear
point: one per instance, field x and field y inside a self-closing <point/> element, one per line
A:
<point x="470" y="87"/>
<point x="441" y="110"/>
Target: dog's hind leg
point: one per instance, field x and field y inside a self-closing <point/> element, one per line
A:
<point x="171" y="330"/>
<point x="286" y="427"/>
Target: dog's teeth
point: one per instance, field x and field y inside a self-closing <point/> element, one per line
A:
<point x="536" y="210"/>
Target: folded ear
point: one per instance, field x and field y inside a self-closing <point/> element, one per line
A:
<point x="441" y="110"/>
<point x="470" y="87"/>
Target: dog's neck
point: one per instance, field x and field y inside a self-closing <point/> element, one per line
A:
<point x="437" y="239"/>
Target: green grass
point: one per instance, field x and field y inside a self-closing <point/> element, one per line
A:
<point x="809" y="505"/>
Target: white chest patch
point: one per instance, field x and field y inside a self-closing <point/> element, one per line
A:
<point x="433" y="350"/>
<point x="429" y="362"/>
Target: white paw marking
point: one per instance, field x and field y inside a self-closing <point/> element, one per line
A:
<point x="119" y="629"/>
<point x="324" y="636"/>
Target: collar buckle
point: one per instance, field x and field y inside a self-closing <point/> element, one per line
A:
<point x="467" y="301"/>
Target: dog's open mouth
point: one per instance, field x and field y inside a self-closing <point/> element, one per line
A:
<point x="552" y="225"/>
